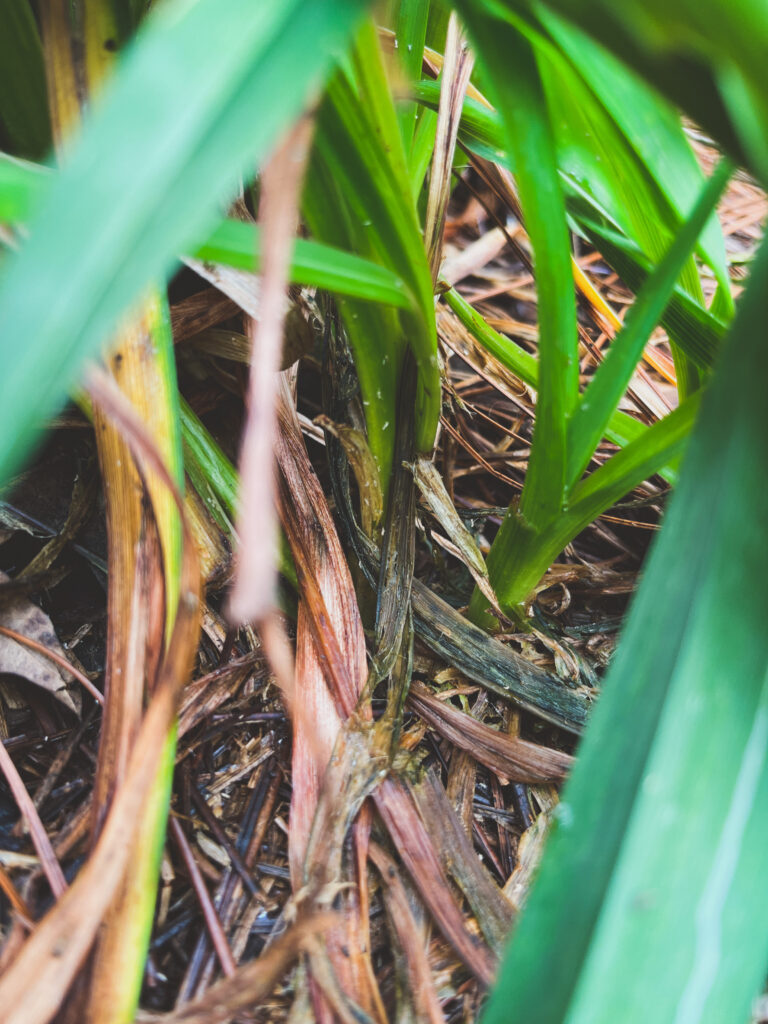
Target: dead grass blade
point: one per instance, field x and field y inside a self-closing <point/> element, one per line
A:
<point x="398" y="549"/>
<point x="34" y="985"/>
<point x="330" y="673"/>
<point x="490" y="906"/>
<point x="30" y="648"/>
<point x="218" y="938"/>
<point x="256" y="575"/>
<point x="457" y="68"/>
<point x="39" y="836"/>
<point x="250" y="983"/>
<point x="432" y="490"/>
<point x="410" y="938"/>
<point x="512" y="759"/>
<point x="395" y="804"/>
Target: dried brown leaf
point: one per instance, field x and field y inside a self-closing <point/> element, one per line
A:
<point x="508" y="756"/>
<point x="22" y="616"/>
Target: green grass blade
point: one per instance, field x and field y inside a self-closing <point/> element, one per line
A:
<point x="410" y="27"/>
<point x="238" y="244"/>
<point x="613" y="375"/>
<point x="522" y="553"/>
<point x="163" y="147"/>
<point x="621" y="428"/>
<point x="234" y="243"/>
<point x="510" y="63"/>
<point x="374" y="332"/>
<point x="651" y="900"/>
<point x="25" y="128"/>
<point x="652" y="128"/>
<point x="683" y="49"/>
<point x="376" y="193"/>
<point x="697" y="330"/>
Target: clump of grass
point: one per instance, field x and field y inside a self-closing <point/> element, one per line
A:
<point x="649" y="898"/>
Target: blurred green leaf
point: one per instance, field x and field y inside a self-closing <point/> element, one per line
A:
<point x="684" y="50"/>
<point x="163" y="147"/>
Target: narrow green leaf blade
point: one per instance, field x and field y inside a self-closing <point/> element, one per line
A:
<point x="238" y="244"/>
<point x="651" y="900"/>
<point x="613" y="375"/>
<point x="621" y="428"/>
<point x="513" y="75"/>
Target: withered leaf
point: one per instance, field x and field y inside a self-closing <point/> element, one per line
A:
<point x="21" y="615"/>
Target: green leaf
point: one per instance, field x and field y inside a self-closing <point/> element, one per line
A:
<point x="21" y="186"/>
<point x="163" y="147"/>
<point x="25" y="127"/>
<point x="650" y="900"/>
<point x="651" y="127"/>
<point x="612" y="376"/>
<point x="621" y="428"/>
<point x="516" y="87"/>
<point x="238" y="244"/>
<point x="233" y="242"/>
<point x="410" y="35"/>
<point x="217" y="482"/>
<point x="683" y="49"/>
<point x="359" y="146"/>
<point x="695" y="330"/>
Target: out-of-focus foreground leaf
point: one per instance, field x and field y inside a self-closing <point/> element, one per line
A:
<point x="165" y="144"/>
<point x="650" y="904"/>
<point x="707" y="56"/>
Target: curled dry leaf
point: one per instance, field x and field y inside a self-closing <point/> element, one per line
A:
<point x="20" y="614"/>
<point x="510" y="757"/>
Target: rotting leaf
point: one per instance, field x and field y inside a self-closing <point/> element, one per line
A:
<point x="21" y="615"/>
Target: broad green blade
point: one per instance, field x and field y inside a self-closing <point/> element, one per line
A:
<point x="612" y="376"/>
<point x="164" y="146"/>
<point x="320" y="266"/>
<point x="651" y="903"/>
<point x="513" y="76"/>
<point x="25" y="128"/>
